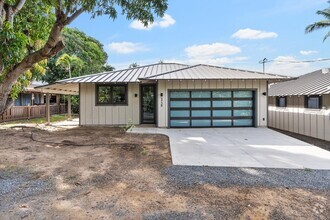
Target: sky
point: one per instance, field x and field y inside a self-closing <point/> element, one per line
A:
<point x="235" y="33"/>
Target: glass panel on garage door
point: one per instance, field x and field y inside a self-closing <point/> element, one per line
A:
<point x="211" y="108"/>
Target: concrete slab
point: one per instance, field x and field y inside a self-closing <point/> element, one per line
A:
<point x="241" y="147"/>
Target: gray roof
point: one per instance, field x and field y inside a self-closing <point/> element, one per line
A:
<point x="202" y="71"/>
<point x="159" y="71"/>
<point x="126" y="75"/>
<point x="314" y="83"/>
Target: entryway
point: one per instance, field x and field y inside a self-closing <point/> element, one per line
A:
<point x="148" y="103"/>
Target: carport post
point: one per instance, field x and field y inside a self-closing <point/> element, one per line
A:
<point x="69" y="106"/>
<point x="48" y="108"/>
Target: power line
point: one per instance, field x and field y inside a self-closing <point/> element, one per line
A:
<point x="265" y="60"/>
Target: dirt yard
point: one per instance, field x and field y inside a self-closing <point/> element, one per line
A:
<point x="105" y="173"/>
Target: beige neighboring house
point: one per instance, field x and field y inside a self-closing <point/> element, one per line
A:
<point x="171" y="95"/>
<point x="302" y="105"/>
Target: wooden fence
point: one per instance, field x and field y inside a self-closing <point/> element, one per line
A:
<point x="28" y="112"/>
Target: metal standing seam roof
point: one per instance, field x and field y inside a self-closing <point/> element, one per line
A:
<point x="314" y="83"/>
<point x="202" y="71"/>
<point x="159" y="71"/>
<point x="125" y="75"/>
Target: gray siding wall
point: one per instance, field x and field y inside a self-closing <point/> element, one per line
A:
<point x="259" y="85"/>
<point x="297" y="119"/>
<point x="90" y="114"/>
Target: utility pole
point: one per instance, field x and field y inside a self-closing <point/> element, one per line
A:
<point x="263" y="62"/>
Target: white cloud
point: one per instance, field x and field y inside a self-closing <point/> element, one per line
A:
<point x="211" y="50"/>
<point x="308" y="52"/>
<point x="250" y="34"/>
<point x="213" y="54"/>
<point x="166" y="21"/>
<point x="126" y="47"/>
<point x="287" y="65"/>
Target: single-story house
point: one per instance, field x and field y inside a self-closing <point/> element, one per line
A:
<point x="171" y="95"/>
<point x="302" y="105"/>
<point x="31" y="96"/>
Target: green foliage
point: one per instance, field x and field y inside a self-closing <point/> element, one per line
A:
<point x="321" y="24"/>
<point x="84" y="55"/>
<point x="25" y="31"/>
<point x="133" y="65"/>
<point x="26" y="34"/>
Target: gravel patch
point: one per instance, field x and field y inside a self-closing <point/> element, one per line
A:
<point x="18" y="186"/>
<point x="190" y="176"/>
<point x="174" y="215"/>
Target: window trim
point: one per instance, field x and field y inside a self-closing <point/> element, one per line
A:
<point x="111" y="95"/>
<point x="278" y="101"/>
<point x="313" y="96"/>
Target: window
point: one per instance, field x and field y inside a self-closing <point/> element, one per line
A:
<point x="111" y="94"/>
<point x="314" y="102"/>
<point x="281" y="101"/>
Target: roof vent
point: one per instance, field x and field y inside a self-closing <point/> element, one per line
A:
<point x="325" y="70"/>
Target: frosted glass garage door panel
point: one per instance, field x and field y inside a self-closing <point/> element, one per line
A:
<point x="200" y="123"/>
<point x="179" y="95"/>
<point x="222" y="104"/>
<point x="180" y="104"/>
<point x="243" y="94"/>
<point x="179" y="113"/>
<point x="200" y="104"/>
<point x="180" y="123"/>
<point x="202" y="94"/>
<point x="222" y="123"/>
<point x="243" y="122"/>
<point x="201" y="113"/>
<point x="243" y="103"/>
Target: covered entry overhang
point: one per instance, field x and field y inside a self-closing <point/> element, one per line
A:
<point x="61" y="89"/>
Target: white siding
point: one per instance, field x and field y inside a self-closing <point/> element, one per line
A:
<point x="90" y="114"/>
<point x="259" y="86"/>
<point x="297" y="119"/>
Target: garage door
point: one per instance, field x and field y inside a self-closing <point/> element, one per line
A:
<point x="211" y="108"/>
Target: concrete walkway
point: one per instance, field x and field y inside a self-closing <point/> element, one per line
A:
<point x="241" y="147"/>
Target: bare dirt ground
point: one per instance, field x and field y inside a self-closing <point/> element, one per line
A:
<point x="105" y="173"/>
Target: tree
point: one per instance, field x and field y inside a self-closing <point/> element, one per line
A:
<point x="133" y="65"/>
<point x="89" y="50"/>
<point x="30" y="31"/>
<point x="69" y="62"/>
<point x="321" y="24"/>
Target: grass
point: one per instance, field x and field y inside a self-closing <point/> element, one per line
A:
<point x="53" y="118"/>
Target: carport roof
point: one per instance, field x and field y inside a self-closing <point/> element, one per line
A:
<point x="314" y="83"/>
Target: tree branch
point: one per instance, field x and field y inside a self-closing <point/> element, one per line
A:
<point x="18" y="6"/>
<point x="74" y="15"/>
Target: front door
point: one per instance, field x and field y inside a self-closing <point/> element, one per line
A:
<point x="148" y="104"/>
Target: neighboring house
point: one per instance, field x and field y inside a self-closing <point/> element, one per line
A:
<point x="302" y="105"/>
<point x="171" y="95"/>
<point x="30" y="96"/>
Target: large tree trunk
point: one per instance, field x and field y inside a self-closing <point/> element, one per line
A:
<point x="52" y="47"/>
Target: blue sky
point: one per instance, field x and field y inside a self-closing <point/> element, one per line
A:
<point x="235" y="33"/>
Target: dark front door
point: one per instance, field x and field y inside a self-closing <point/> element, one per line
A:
<point x="148" y="104"/>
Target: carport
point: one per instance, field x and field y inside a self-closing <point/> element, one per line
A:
<point x="241" y="147"/>
<point x="58" y="88"/>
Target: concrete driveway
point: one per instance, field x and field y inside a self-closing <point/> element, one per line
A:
<point x="241" y="147"/>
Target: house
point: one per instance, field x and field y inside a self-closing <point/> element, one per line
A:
<point x="171" y="95"/>
<point x="31" y="96"/>
<point x="302" y="105"/>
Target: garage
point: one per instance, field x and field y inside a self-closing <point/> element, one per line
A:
<point x="211" y="108"/>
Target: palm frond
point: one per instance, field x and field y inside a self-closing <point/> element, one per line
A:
<point x="317" y="25"/>
<point x="326" y="36"/>
<point x="325" y="13"/>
